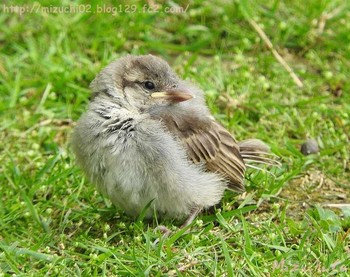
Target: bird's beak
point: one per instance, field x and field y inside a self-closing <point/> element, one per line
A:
<point x="173" y="95"/>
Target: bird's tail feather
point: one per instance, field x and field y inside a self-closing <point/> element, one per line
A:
<point x="255" y="151"/>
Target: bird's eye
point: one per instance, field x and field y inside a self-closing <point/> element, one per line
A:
<point x="149" y="85"/>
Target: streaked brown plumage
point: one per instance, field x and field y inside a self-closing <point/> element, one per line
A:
<point x="209" y="143"/>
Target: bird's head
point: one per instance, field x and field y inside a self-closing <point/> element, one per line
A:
<point x="142" y="82"/>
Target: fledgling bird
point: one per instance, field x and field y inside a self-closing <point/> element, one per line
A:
<point x="148" y="137"/>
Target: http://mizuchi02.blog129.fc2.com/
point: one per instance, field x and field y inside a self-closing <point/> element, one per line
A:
<point x="93" y="9"/>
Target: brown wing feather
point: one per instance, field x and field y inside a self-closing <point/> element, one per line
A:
<point x="213" y="145"/>
<point x="219" y="150"/>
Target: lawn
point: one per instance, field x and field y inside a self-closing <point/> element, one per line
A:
<point x="292" y="221"/>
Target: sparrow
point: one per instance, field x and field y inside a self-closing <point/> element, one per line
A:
<point x="148" y="139"/>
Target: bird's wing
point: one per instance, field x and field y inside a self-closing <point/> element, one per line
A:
<point x="214" y="146"/>
<point x="219" y="150"/>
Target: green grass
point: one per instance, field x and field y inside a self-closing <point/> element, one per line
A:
<point x="53" y="222"/>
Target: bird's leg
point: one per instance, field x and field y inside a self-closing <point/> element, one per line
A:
<point x="191" y="217"/>
<point x="166" y="231"/>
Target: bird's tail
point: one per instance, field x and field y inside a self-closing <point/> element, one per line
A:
<point x="255" y="151"/>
